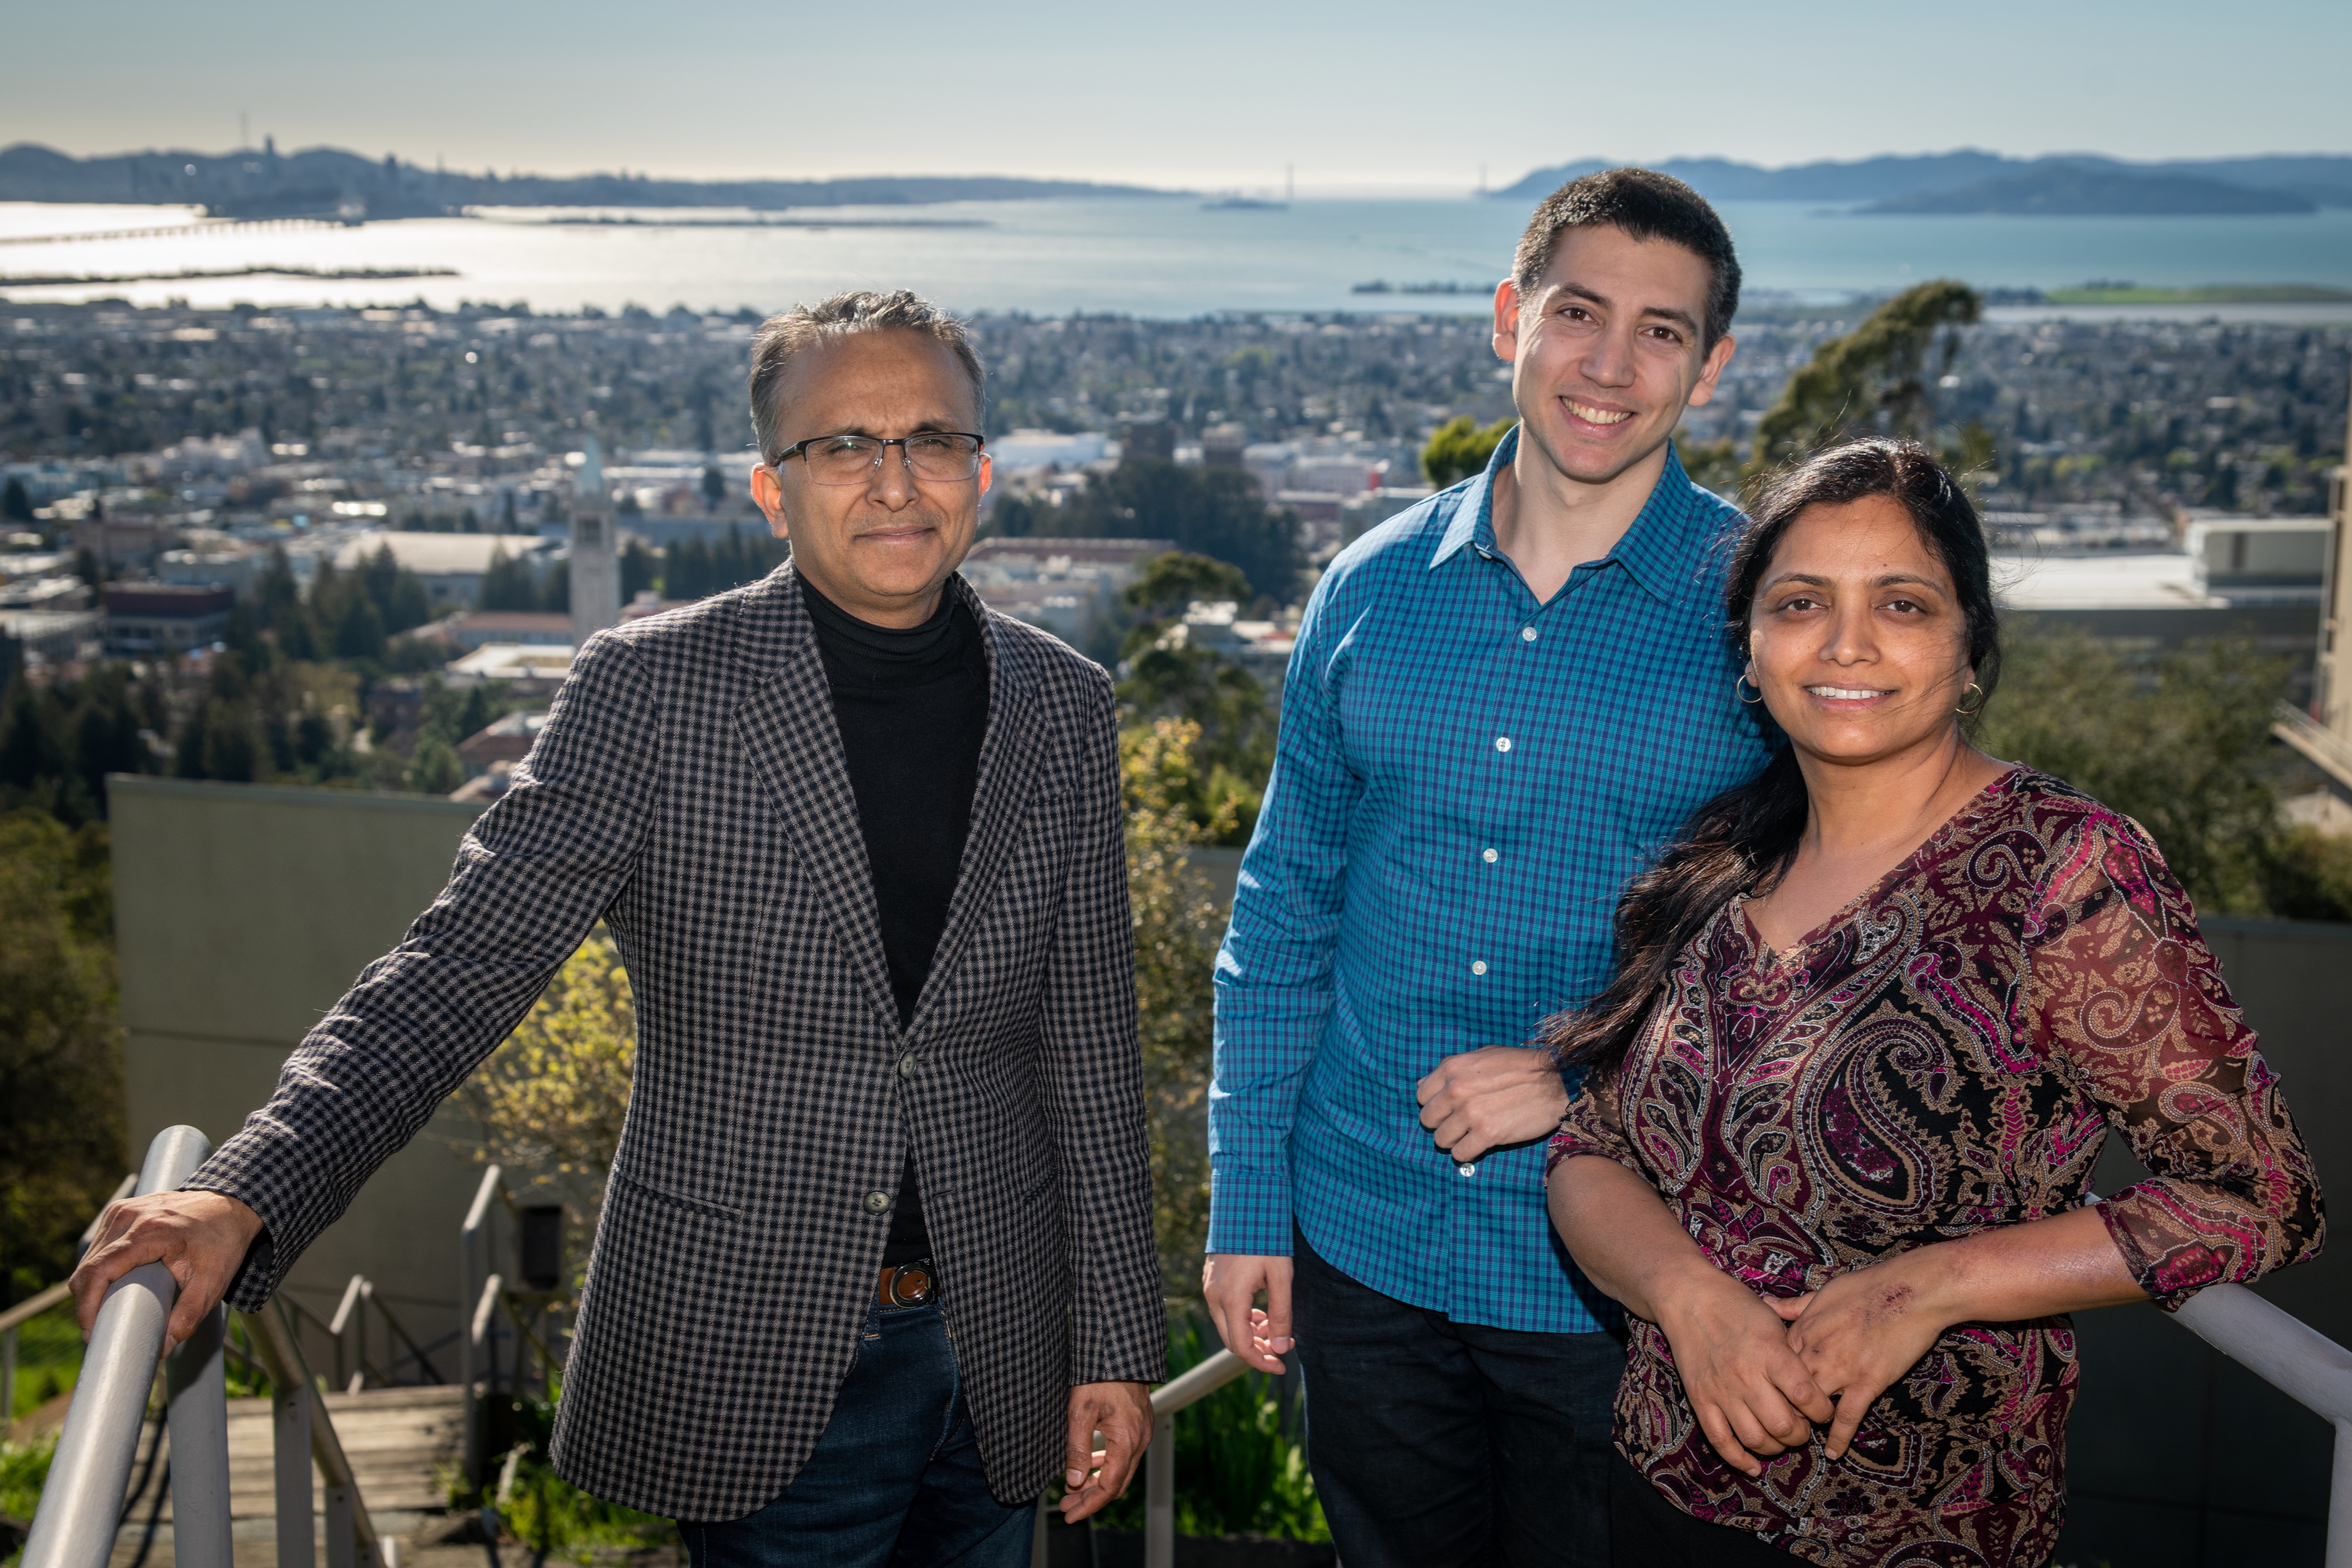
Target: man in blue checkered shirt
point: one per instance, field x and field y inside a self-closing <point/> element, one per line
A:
<point x="1501" y="703"/>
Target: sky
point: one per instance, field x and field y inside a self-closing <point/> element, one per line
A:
<point x="1372" y="95"/>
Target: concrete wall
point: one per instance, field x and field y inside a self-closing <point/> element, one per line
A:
<point x="2180" y="1458"/>
<point x="242" y="913"/>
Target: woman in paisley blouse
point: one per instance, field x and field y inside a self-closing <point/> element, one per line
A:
<point x="1875" y="1014"/>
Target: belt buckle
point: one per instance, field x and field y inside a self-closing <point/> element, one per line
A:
<point x="910" y="1285"/>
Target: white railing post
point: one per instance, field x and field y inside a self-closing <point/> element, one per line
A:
<point x="91" y="1470"/>
<point x="1159" y="1459"/>
<point x="198" y="1379"/>
<point x="289" y="1431"/>
<point x="470" y="1235"/>
<point x="348" y="1322"/>
<point x="306" y="1435"/>
<point x="1160" y="1495"/>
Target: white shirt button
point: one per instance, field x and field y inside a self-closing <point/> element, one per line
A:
<point x="1467" y="1170"/>
<point x="1527" y="634"/>
<point x="1478" y="967"/>
<point x="1502" y="742"/>
<point x="1490" y="857"/>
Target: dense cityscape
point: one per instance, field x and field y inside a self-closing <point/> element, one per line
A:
<point x="177" y="482"/>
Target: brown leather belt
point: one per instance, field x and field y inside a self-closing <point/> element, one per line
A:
<point x="908" y="1285"/>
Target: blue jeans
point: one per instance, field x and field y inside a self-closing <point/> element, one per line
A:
<point x="896" y="1478"/>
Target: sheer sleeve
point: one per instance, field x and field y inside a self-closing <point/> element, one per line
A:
<point x="2124" y="988"/>
<point x="1594" y="1125"/>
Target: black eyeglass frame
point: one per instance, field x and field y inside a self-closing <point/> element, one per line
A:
<point x="882" y="450"/>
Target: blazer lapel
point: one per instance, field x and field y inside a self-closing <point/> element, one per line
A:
<point x="1010" y="753"/>
<point x="786" y="727"/>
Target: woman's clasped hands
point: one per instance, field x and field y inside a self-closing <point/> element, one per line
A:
<point x="1762" y="1372"/>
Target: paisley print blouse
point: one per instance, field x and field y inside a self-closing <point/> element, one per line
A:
<point x="1942" y="1057"/>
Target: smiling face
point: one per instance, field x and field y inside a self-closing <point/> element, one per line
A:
<point x="881" y="549"/>
<point x="1606" y="349"/>
<point x="1857" y="638"/>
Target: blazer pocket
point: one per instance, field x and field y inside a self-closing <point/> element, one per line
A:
<point x="679" y="1201"/>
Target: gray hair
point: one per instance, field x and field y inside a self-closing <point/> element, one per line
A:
<point x="803" y="327"/>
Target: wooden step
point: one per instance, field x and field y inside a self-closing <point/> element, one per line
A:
<point x="403" y="1443"/>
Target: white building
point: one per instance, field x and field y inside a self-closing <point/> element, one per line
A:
<point x="450" y="566"/>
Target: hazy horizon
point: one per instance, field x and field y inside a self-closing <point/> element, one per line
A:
<point x="1495" y="179"/>
<point x="1372" y="97"/>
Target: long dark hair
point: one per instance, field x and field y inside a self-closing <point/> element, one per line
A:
<point x="1745" y="838"/>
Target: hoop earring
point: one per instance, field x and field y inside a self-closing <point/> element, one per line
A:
<point x="1740" y="680"/>
<point x="1971" y="712"/>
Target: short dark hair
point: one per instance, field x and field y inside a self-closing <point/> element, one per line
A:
<point x="783" y="336"/>
<point x="1647" y="206"/>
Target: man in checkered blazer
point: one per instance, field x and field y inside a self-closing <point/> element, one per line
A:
<point x="875" y="1260"/>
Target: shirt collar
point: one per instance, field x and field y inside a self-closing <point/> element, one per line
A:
<point x="1661" y="551"/>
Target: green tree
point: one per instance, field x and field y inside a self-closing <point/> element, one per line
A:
<point x="640" y="570"/>
<point x="435" y="768"/>
<point x="61" y="1133"/>
<point x="1176" y="928"/>
<point x="1461" y="447"/>
<point x="2310" y="876"/>
<point x="507" y="584"/>
<point x="1876" y="380"/>
<point x="1217" y="512"/>
<point x="2182" y="746"/>
<point x="16" y="505"/>
<point x="1229" y="752"/>
<point x="1170" y="582"/>
<point x="398" y="595"/>
<point x="553" y="1096"/>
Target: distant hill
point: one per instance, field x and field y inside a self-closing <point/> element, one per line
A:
<point x="327" y="182"/>
<point x="2075" y="191"/>
<point x="2321" y="179"/>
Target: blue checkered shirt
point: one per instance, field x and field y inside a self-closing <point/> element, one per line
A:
<point x="1464" y="780"/>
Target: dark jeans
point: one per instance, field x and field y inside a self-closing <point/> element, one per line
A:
<point x="1647" y="1531"/>
<point x="1436" y="1443"/>
<point x="896" y="1478"/>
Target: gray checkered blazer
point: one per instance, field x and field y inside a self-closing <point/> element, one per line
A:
<point x="689" y="789"/>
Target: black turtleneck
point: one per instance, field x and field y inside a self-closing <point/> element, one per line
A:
<point x="911" y="707"/>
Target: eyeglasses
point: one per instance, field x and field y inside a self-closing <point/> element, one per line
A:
<point x="948" y="455"/>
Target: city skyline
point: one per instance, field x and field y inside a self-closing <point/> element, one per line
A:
<point x="1357" y="102"/>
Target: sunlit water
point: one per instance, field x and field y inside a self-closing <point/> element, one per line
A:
<point x="1168" y="257"/>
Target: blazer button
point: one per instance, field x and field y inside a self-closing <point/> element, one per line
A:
<point x="907" y="1065"/>
<point x="876" y="1203"/>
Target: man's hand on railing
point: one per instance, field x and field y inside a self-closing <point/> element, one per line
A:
<point x="202" y="1238"/>
<point x="1122" y="1414"/>
<point x="1259" y="1336"/>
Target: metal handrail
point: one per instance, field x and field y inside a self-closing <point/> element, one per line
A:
<point x="2276" y="1346"/>
<point x="81" y="1503"/>
<point x="2298" y="1360"/>
<point x="91" y="1469"/>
